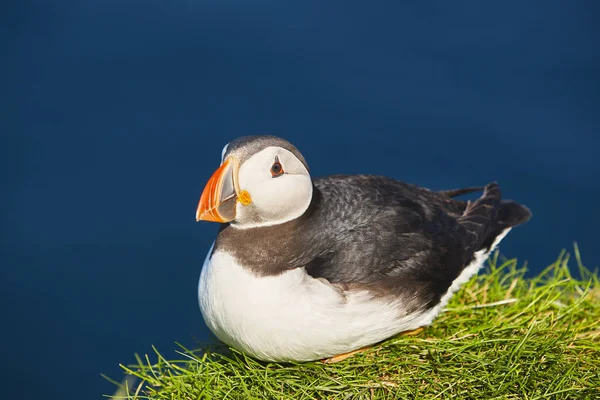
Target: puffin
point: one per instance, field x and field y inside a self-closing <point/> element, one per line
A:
<point x="307" y="269"/>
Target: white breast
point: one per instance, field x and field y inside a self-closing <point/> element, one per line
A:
<point x="294" y="317"/>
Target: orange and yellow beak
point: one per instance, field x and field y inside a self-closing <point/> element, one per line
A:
<point x="218" y="200"/>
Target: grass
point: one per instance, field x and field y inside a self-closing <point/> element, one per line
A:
<point x="503" y="336"/>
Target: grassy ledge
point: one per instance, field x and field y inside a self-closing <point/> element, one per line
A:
<point x="502" y="336"/>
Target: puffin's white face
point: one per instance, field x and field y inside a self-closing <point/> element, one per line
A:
<point x="279" y="186"/>
<point x="270" y="187"/>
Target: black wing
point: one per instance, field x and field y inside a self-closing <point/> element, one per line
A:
<point x="390" y="235"/>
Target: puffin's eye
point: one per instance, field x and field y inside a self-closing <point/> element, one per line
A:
<point x="276" y="168"/>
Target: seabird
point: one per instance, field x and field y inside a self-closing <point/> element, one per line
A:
<point x="316" y="269"/>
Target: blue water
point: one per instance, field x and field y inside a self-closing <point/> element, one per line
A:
<point x="114" y="114"/>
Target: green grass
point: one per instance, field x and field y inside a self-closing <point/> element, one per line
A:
<point x="502" y="336"/>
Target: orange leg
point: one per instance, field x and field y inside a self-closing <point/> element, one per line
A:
<point x="342" y="357"/>
<point x="412" y="333"/>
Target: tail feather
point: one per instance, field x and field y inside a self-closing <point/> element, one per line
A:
<point x="512" y="214"/>
<point x="509" y="214"/>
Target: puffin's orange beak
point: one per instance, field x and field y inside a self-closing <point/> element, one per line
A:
<point x="217" y="203"/>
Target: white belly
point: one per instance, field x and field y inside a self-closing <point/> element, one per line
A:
<point x="294" y="317"/>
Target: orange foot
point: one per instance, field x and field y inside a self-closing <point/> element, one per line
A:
<point x="412" y="333"/>
<point x="342" y="357"/>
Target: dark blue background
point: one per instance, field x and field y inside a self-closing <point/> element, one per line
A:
<point x="115" y="112"/>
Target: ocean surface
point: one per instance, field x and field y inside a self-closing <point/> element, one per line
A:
<point x="114" y="114"/>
